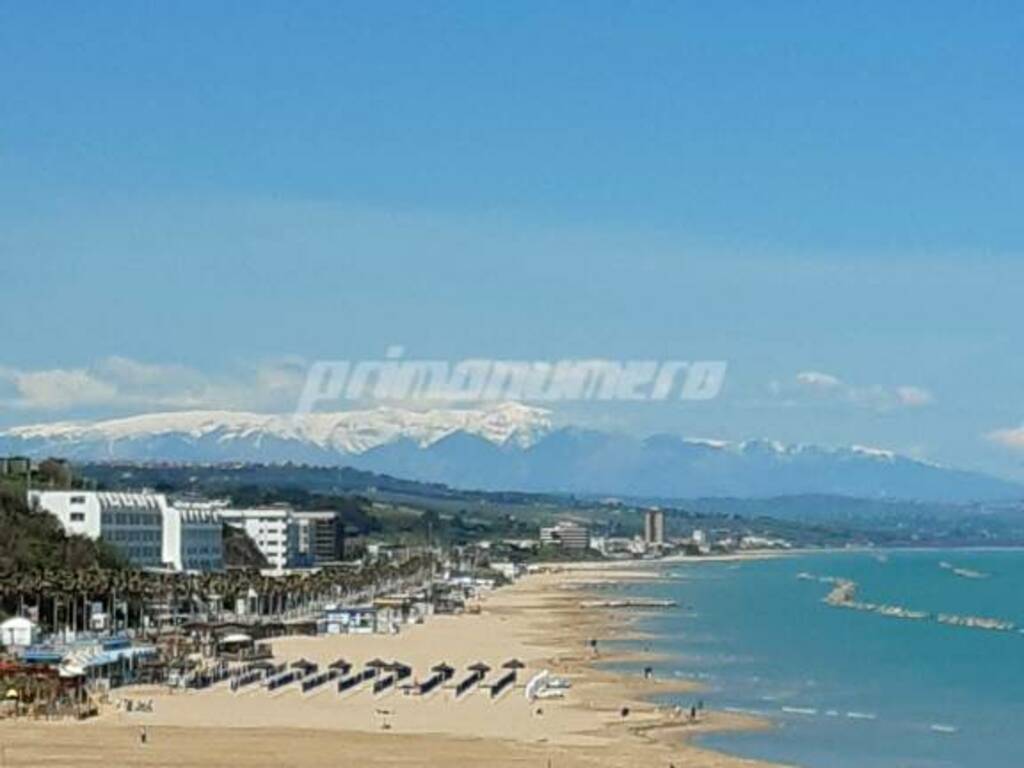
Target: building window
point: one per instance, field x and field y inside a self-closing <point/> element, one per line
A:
<point x="78" y="517"/>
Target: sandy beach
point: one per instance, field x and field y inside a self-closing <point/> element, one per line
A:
<point x="540" y="621"/>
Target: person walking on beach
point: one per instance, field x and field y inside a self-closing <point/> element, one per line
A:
<point x="143" y="736"/>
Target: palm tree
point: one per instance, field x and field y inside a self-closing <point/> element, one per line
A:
<point x="66" y="593"/>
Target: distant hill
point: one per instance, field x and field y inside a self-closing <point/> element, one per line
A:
<point x="511" y="447"/>
<point x="388" y="508"/>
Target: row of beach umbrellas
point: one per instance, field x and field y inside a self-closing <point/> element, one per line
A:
<point x="379" y="663"/>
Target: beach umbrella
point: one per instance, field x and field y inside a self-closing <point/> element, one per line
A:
<point x="339" y="664"/>
<point x="442" y="667"/>
<point x="304" y="665"/>
<point x="66" y="670"/>
<point x="378" y="664"/>
<point x="513" y="664"/>
<point x="479" y="667"/>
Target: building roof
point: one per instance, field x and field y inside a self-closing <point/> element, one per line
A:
<point x="256" y="513"/>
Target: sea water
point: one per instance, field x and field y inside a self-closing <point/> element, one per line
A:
<point x="844" y="687"/>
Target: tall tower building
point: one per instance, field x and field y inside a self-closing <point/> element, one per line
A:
<point x="654" y="527"/>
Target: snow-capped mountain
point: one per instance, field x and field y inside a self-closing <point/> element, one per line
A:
<point x="347" y="433"/>
<point x="508" y="447"/>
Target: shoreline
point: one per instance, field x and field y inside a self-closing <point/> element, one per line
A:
<point x="618" y="622"/>
<point x="540" y="620"/>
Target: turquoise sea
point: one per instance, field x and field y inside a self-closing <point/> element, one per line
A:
<point x="850" y="688"/>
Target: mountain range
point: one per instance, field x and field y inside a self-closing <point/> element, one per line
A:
<point x="508" y="446"/>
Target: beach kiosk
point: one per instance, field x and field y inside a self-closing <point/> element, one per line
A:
<point x="18" y="632"/>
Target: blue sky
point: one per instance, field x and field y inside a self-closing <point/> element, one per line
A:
<point x="204" y="197"/>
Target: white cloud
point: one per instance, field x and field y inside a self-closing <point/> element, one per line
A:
<point x="138" y="373"/>
<point x="1012" y="437"/>
<point x="818" y="380"/>
<point x="831" y="388"/>
<point x="914" y="397"/>
<point x="125" y="383"/>
<point x="58" y="389"/>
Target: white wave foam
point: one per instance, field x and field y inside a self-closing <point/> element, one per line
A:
<point x="861" y="716"/>
<point x="744" y="711"/>
<point x="800" y="710"/>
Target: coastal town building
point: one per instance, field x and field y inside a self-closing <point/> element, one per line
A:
<point x="618" y="546"/>
<point x="193" y="539"/>
<point x="132" y="523"/>
<point x="509" y="570"/>
<point x="390" y="552"/>
<point x="566" y="534"/>
<point x="142" y="526"/>
<point x="321" y="536"/>
<point x="654" y="527"/>
<point x="18" y="632"/>
<point x="15" y="466"/>
<point x="699" y="542"/>
<point x="343" y="620"/>
<point x="274" y="531"/>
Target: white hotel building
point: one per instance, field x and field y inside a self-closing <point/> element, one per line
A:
<point x="193" y="539"/>
<point x="141" y="526"/>
<point x="274" y="530"/>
